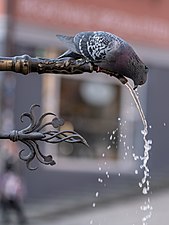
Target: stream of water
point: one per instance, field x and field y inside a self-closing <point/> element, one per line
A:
<point x="145" y="181"/>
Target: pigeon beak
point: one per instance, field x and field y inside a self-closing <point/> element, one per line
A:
<point x="135" y="87"/>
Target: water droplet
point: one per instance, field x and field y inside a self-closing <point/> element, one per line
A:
<point x="144" y="219"/>
<point x="109" y="147"/>
<point x="148" y="199"/>
<point x="141" y="166"/>
<point x="164" y="124"/>
<point x="119" y="119"/>
<point x="97" y="194"/>
<point x="94" y="205"/>
<point x="119" y="174"/>
<point x="100" y="180"/>
<point x="111" y="137"/>
<point x="114" y="131"/>
<point x="100" y="168"/>
<point x="140" y="185"/>
<point x="91" y="221"/>
<point x="144" y="191"/>
<point x="136" y="171"/>
<point x="107" y="174"/>
<point x="135" y="157"/>
<point x="103" y="155"/>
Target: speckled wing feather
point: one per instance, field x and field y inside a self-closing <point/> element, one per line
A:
<point x="96" y="45"/>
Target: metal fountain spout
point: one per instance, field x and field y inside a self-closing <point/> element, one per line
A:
<point x="25" y="64"/>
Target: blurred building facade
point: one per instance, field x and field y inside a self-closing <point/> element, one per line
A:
<point x="95" y="105"/>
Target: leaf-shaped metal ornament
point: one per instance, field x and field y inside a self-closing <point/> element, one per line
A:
<point x="39" y="130"/>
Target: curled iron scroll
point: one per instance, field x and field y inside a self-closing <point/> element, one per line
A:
<point x="38" y="130"/>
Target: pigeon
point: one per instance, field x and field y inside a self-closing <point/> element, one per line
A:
<point x="108" y="53"/>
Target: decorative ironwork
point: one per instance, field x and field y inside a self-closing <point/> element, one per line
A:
<point x="25" y="64"/>
<point x="37" y="131"/>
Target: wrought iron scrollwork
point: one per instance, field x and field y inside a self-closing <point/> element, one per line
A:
<point x="37" y="131"/>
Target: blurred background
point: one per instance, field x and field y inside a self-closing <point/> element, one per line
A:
<point x="95" y="105"/>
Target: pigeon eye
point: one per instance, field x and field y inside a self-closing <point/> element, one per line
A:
<point x="146" y="68"/>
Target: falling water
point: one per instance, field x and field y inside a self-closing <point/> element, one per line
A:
<point x="145" y="183"/>
<point x="136" y="99"/>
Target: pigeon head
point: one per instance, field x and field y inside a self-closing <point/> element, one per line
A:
<point x="137" y="71"/>
<point x="140" y="75"/>
<point x="131" y="66"/>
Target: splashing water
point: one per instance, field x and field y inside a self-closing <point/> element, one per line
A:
<point x="145" y="183"/>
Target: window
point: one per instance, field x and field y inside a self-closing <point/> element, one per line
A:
<point x="91" y="108"/>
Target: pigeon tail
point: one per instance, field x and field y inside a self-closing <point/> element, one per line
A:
<point x="68" y="41"/>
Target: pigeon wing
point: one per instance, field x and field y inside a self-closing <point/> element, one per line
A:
<point x="96" y="45"/>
